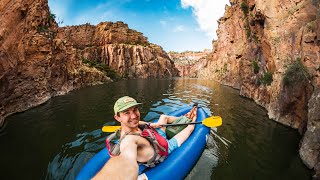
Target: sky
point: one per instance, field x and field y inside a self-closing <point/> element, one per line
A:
<point x="175" y="25"/>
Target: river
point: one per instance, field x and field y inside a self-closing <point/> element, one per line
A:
<point x="55" y="139"/>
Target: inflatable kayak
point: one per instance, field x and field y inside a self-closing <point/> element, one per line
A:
<point x="177" y="165"/>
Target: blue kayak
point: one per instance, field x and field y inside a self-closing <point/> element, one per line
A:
<point x="178" y="164"/>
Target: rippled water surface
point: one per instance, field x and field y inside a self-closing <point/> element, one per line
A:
<point x="54" y="140"/>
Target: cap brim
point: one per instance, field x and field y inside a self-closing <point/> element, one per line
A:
<point x="131" y="105"/>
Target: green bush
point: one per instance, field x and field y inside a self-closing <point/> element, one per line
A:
<point x="255" y="67"/>
<point x="312" y="25"/>
<point x="248" y="29"/>
<point x="295" y="73"/>
<point x="43" y="29"/>
<point x="245" y="8"/>
<point x="52" y="16"/>
<point x="144" y="44"/>
<point x="255" y="38"/>
<point x="102" y="67"/>
<point x="266" y="79"/>
<point x="225" y="67"/>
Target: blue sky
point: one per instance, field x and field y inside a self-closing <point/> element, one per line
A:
<point x="176" y="25"/>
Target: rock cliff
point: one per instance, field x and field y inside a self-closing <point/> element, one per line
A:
<point x="270" y="51"/>
<point x="123" y="50"/>
<point x="189" y="63"/>
<point x="39" y="60"/>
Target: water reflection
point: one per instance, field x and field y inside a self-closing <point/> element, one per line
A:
<point x="67" y="163"/>
<point x="60" y="136"/>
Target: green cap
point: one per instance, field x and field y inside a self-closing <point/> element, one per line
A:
<point x="124" y="103"/>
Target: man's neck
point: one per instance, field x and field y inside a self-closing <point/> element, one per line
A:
<point x="125" y="129"/>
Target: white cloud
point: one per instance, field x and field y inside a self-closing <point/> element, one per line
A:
<point x="179" y="28"/>
<point x="206" y="12"/>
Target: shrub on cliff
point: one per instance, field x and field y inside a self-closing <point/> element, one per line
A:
<point x="296" y="72"/>
<point x="255" y="66"/>
<point x="266" y="79"/>
<point x="245" y="8"/>
<point x="52" y="16"/>
<point x="42" y="29"/>
<point x="103" y="68"/>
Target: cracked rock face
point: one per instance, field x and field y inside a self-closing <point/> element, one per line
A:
<point x="39" y="60"/>
<point x="270" y="51"/>
<point x="124" y="50"/>
<point x="34" y="64"/>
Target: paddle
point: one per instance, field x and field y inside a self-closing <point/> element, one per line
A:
<point x="212" y="121"/>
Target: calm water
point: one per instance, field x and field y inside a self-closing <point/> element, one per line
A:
<point x="54" y="140"/>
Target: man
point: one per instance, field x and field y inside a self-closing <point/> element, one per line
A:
<point x="137" y="144"/>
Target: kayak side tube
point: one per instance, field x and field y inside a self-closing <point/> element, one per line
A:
<point x="94" y="165"/>
<point x="181" y="161"/>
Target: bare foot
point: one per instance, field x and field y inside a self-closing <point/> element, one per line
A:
<point x="192" y="114"/>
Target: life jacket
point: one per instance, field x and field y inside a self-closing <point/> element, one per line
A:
<point x="159" y="143"/>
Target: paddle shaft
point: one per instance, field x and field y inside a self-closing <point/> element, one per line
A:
<point x="179" y="124"/>
<point x="213" y="121"/>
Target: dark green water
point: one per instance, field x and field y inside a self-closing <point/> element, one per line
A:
<point x="54" y="140"/>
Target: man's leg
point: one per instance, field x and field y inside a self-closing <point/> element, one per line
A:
<point x="164" y="119"/>
<point x="182" y="136"/>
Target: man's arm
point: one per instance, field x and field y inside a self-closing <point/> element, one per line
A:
<point x="118" y="167"/>
<point x="142" y="122"/>
<point x="124" y="166"/>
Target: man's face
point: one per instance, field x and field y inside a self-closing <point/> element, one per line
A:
<point x="129" y="117"/>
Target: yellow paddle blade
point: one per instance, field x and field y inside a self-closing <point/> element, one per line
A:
<point x="213" y="121"/>
<point x="110" y="128"/>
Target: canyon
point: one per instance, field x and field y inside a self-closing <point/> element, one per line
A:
<point x="189" y="63"/>
<point x="269" y="50"/>
<point x="40" y="60"/>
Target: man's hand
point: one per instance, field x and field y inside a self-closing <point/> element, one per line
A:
<point x="156" y="125"/>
